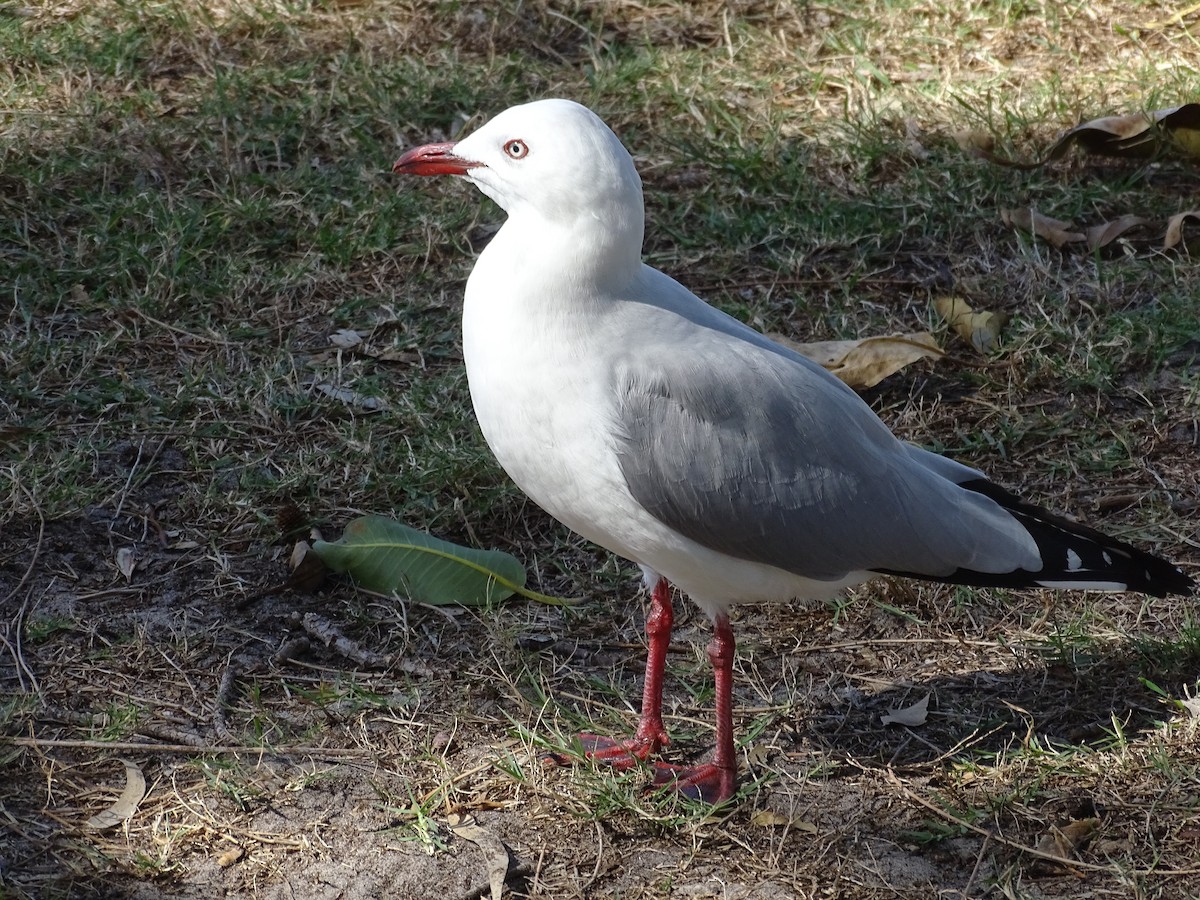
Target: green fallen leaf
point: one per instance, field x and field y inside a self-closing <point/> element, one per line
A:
<point x="388" y="557"/>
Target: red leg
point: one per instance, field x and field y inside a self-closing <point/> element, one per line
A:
<point x="713" y="782"/>
<point x="716" y="781"/>
<point x="651" y="735"/>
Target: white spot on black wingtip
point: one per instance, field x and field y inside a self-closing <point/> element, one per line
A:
<point x="1074" y="562"/>
<point x="1084" y="585"/>
<point x="1108" y="560"/>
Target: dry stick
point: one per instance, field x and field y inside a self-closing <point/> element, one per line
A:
<point x="224" y="697"/>
<point x="1022" y="848"/>
<point x="966" y="891"/>
<point x="136" y="746"/>
<point x="331" y="636"/>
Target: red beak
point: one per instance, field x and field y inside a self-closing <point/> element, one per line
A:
<point x="433" y="159"/>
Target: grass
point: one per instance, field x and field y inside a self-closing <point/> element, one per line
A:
<point x="195" y="197"/>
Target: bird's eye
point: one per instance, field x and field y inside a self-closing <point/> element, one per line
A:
<point x="516" y="149"/>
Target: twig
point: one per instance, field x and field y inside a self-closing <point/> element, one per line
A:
<point x="331" y="636"/>
<point x="225" y="697"/>
<point x="966" y="891"/>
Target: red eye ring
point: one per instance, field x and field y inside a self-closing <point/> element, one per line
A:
<point x="516" y="149"/>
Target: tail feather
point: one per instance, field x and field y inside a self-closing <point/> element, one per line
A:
<point x="1073" y="556"/>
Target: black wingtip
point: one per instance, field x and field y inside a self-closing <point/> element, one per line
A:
<point x="1073" y="555"/>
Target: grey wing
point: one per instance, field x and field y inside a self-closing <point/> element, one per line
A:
<point x="759" y="454"/>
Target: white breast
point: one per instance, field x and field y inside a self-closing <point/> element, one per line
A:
<point x="547" y="415"/>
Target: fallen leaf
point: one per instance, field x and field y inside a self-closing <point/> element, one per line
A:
<point x="404" y="355"/>
<point x="767" y="818"/>
<point x="126" y="805"/>
<point x="388" y="557"/>
<point x="1056" y="231"/>
<point x="351" y="397"/>
<point x="911" y="716"/>
<point x="866" y="362"/>
<point x="495" y="853"/>
<point x="1175" y="227"/>
<point x="1063" y="842"/>
<point x="1192" y="706"/>
<point x="1138" y="135"/>
<point x="981" y="329"/>
<point x="127" y="561"/>
<point x="975" y="140"/>
<point x="1106" y="232"/>
<point x="308" y="570"/>
<point x="912" y="140"/>
<point x="346" y="338"/>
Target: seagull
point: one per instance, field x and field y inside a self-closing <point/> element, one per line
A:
<point x="681" y="439"/>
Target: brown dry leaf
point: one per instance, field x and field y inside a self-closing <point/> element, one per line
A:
<point x="1029" y="219"/>
<point x="912" y="716"/>
<point x="124" y="806"/>
<point x="127" y="561"/>
<point x="866" y="362"/>
<point x="495" y="854"/>
<point x="981" y="329"/>
<point x="975" y="140"/>
<point x="308" y="570"/>
<point x="1137" y="135"/>
<point x="1175" y="227"/>
<point x="767" y="818"/>
<point x="1065" y="841"/>
<point x="1106" y="232"/>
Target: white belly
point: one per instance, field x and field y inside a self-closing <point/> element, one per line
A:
<point x="543" y="397"/>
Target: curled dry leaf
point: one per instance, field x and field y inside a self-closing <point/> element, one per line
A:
<point x="308" y="570"/>
<point x="351" y="397"/>
<point x="981" y="329"/>
<point x="1175" y="225"/>
<point x="769" y="818"/>
<point x="127" y="561"/>
<point x="1106" y="232"/>
<point x="912" y="716"/>
<point x="495" y="853"/>
<point x="866" y="362"/>
<point x="346" y="338"/>
<point x="1056" y="231"/>
<point x="1138" y="135"/>
<point x="126" y="805"/>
